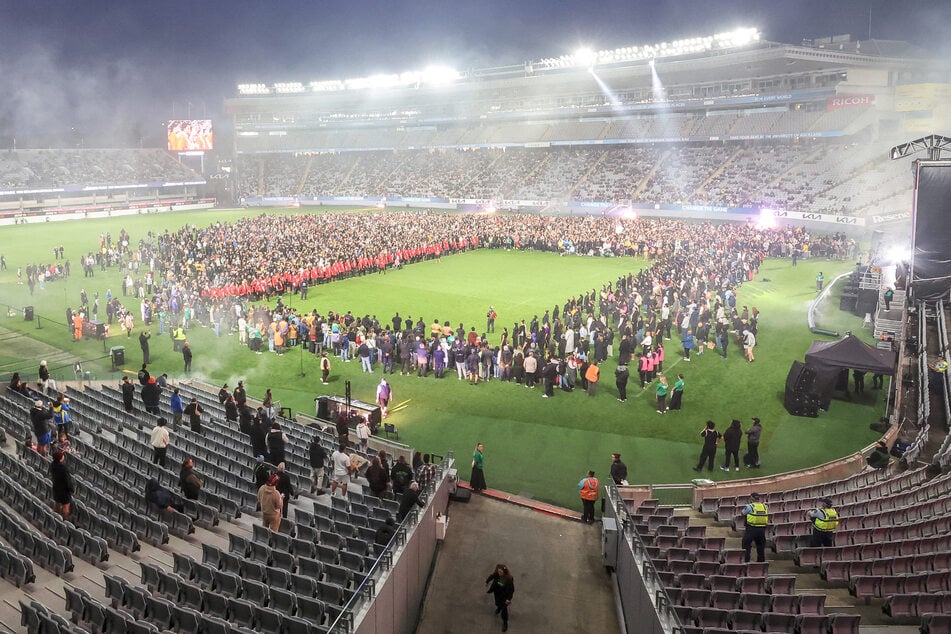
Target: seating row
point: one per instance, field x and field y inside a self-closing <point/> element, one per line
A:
<point x="880" y="586"/>
<point x="116" y="536"/>
<point x="917" y="604"/>
<point x="57" y="540"/>
<point x="714" y="621"/>
<point x="750" y="601"/>
<point x="97" y="467"/>
<point x="112" y="497"/>
<point x="811" y="556"/>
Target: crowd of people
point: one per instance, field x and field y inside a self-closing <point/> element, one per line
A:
<point x="22" y="169"/>
<point x="776" y="176"/>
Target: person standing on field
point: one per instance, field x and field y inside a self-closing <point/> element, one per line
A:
<point x="477" y="480"/>
<point x="588" y="491"/>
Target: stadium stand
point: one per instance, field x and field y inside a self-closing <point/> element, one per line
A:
<point x="779" y="176"/>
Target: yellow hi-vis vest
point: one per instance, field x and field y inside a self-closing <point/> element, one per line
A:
<point x="828" y="522"/>
<point x="759" y="515"/>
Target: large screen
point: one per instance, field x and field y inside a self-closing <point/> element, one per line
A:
<point x="189" y="135"/>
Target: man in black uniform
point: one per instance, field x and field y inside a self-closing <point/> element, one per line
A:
<point x="128" y="393"/>
<point x="618" y="469"/>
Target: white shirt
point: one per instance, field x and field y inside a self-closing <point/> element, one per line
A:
<point x="341" y="462"/>
<point x="160" y="437"/>
<point x="363" y="431"/>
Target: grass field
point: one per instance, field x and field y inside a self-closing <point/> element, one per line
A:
<point x="534" y="446"/>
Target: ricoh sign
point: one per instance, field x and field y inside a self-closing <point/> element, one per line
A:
<point x="850" y="101"/>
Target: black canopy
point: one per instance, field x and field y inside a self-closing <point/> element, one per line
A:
<point x="829" y="358"/>
<point x="849" y="353"/>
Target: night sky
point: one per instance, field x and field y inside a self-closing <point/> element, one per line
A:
<point x="110" y="72"/>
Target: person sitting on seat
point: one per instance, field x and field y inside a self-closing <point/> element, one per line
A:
<point x="879" y="457"/>
<point x="161" y="497"/>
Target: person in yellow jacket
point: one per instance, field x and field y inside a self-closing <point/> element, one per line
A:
<point x="588" y="491"/>
<point x="824" y="522"/>
<point x="757" y="518"/>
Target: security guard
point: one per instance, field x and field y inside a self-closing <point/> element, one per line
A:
<point x="757" y="517"/>
<point x="824" y="522"/>
<point x="178" y="339"/>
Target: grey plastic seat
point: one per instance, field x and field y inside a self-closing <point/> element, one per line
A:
<point x="242" y="613"/>
<point x="227" y="583"/>
<point x="229" y="562"/>
<point x="283" y="601"/>
<point x="308" y="567"/>
<point x="160" y="612"/>
<point x="216" y="605"/>
<point x="187" y="621"/>
<point x="115" y="589"/>
<point x="191" y="596"/>
<point x="254" y="591"/>
<point x="311" y="609"/>
<point x="283" y="560"/>
<point x="269" y="621"/>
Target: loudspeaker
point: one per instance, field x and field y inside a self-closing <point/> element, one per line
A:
<point x="461" y="495"/>
<point x="118" y="356"/>
<point x="800" y="399"/>
<point x="27" y="313"/>
<point x="866" y="302"/>
<point x="323" y="408"/>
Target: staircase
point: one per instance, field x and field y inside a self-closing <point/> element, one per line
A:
<point x="889" y="321"/>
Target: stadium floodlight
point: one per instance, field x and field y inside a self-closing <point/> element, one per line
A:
<point x="586" y="58"/>
<point x="288" y="87"/>
<point x="437" y="75"/>
<point x="253" y="89"/>
<point x="685" y="46"/>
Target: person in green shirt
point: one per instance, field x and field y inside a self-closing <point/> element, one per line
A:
<point x="819" y="280"/>
<point x="662" y="393"/>
<point x="677" y="393"/>
<point x="477" y="481"/>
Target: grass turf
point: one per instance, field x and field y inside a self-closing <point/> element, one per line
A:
<point x="534" y="446"/>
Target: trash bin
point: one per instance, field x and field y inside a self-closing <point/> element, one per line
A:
<point x="118" y="355"/>
<point x="27" y="313"/>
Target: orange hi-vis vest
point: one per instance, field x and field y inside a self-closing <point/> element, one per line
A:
<point x="589" y="491"/>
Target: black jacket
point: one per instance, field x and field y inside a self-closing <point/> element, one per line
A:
<point x="63" y="487"/>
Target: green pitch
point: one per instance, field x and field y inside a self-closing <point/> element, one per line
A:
<point x="534" y="446"/>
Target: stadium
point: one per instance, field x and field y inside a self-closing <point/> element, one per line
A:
<point x="712" y="209"/>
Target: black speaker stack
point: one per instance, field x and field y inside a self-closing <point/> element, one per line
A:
<point x="800" y="398"/>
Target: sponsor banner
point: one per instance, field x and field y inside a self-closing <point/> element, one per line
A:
<point x="894" y="216"/>
<point x="849" y="101"/>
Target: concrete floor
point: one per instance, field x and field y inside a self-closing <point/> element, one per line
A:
<point x="560" y="581"/>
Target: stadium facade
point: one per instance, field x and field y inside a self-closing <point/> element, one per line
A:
<point x="756" y="118"/>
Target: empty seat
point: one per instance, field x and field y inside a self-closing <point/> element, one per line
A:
<point x="283" y="601"/>
<point x="711" y="617"/>
<point x="775" y="622"/>
<point x="215" y="605"/>
<point x="214" y="625"/>
<point x="812" y="624"/>
<point x="744" y="620"/>
<point x="784" y="603"/>
<point x="254" y="591"/>
<point x="781" y="584"/>
<point x="310" y="609"/>
<point x="695" y="597"/>
<point x="812" y="603"/>
<point x="268" y="621"/>
<point x="160" y="612"/>
<point x="725" y="600"/>
<point x="755" y="602"/>
<point x="845" y="623"/>
<point x="241" y="612"/>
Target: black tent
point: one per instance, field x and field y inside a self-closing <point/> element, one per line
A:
<point x="828" y="358"/>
